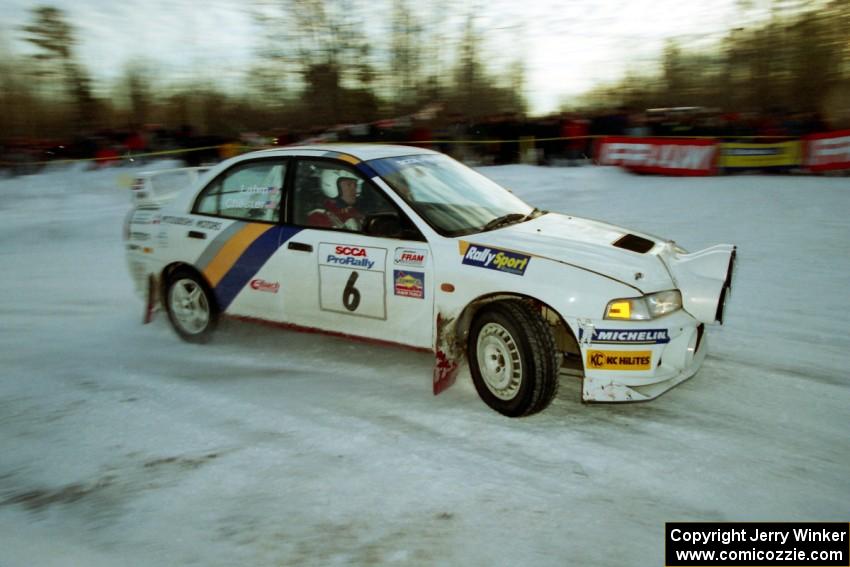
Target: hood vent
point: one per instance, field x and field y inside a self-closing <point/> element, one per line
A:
<point x="635" y="244"/>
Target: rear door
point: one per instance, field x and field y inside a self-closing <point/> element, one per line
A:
<point x="236" y="231"/>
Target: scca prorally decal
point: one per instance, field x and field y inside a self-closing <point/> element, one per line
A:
<point x="496" y="259"/>
<point x="629" y="336"/>
<point x="352" y="256"/>
<point x="409" y="284"/>
<point x="413" y="257"/>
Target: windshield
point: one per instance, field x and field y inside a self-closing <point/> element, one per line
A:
<point x="451" y="197"/>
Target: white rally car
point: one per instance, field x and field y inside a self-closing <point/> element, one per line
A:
<point x="404" y="245"/>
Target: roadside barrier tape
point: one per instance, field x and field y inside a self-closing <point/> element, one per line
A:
<point x="241" y="148"/>
<point x="121" y="157"/>
<point x="558" y="138"/>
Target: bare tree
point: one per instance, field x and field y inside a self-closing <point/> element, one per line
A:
<point x="54" y="40"/>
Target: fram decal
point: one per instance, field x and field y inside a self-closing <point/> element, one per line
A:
<point x="262" y="285"/>
<point x="627" y="336"/>
<point x="619" y="360"/>
<point x="496" y="259"/>
<point x="413" y="257"/>
<point x="409" y="284"/>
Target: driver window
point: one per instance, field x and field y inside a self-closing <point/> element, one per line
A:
<point x="331" y="195"/>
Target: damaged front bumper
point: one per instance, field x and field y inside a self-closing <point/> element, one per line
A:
<point x="638" y="372"/>
<point x="621" y="368"/>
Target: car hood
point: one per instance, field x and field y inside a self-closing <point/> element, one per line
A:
<point x="586" y="244"/>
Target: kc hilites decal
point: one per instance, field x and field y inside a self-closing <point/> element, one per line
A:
<point x="411" y="257"/>
<point x="409" y="284"/>
<point x="494" y="258"/>
<point x="628" y="336"/>
<point x="619" y="359"/>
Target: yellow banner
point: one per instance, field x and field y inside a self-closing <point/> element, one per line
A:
<point x="619" y="359"/>
<point x="745" y="154"/>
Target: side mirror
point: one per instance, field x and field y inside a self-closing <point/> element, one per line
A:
<point x="391" y="225"/>
<point x="383" y="224"/>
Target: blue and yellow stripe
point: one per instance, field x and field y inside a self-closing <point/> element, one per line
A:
<point x="238" y="254"/>
<point x="358" y="164"/>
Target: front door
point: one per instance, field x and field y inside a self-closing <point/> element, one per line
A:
<point x="340" y="278"/>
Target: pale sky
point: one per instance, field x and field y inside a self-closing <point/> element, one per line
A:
<point x="568" y="46"/>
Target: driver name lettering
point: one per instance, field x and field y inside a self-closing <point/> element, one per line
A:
<point x="495" y="259"/>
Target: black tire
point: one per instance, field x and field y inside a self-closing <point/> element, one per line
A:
<point x="188" y="283"/>
<point x="511" y="333"/>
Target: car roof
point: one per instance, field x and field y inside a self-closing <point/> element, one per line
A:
<point x="363" y="152"/>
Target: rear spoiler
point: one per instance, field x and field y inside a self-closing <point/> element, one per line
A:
<point x="154" y="188"/>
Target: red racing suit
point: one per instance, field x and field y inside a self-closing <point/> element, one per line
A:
<point x="336" y="214"/>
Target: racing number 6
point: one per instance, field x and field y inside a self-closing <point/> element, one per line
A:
<point x="351" y="295"/>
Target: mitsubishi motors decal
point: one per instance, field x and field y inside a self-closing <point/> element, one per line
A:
<point x="659" y="155"/>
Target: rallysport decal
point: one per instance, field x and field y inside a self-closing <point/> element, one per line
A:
<point x="232" y="260"/>
<point x="409" y="284"/>
<point x="628" y="336"/>
<point x="494" y="258"/>
<point x="619" y="359"/>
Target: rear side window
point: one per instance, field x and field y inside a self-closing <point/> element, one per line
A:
<point x="252" y="192"/>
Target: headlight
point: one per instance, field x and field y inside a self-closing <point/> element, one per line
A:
<point x="646" y="307"/>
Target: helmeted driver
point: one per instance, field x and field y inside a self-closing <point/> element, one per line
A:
<point x="338" y="211"/>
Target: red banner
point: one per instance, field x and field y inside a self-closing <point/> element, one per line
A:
<point x="657" y="155"/>
<point x="826" y="152"/>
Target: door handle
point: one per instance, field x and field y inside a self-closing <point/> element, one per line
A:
<point x="300" y="247"/>
<point x="197" y="234"/>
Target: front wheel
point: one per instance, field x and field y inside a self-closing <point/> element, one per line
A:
<point x="191" y="307"/>
<point x="513" y="358"/>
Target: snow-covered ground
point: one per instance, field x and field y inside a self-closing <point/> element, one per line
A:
<point x="121" y="445"/>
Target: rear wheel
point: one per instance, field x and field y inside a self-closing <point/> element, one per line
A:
<point x="191" y="306"/>
<point x="513" y="358"/>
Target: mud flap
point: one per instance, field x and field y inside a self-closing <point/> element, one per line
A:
<point x="150" y="306"/>
<point x="448" y="358"/>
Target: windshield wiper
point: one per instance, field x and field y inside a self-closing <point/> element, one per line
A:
<point x="512" y="218"/>
<point x="503" y="220"/>
<point x="535" y="212"/>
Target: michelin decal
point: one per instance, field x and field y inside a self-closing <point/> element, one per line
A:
<point x="628" y="336"/>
